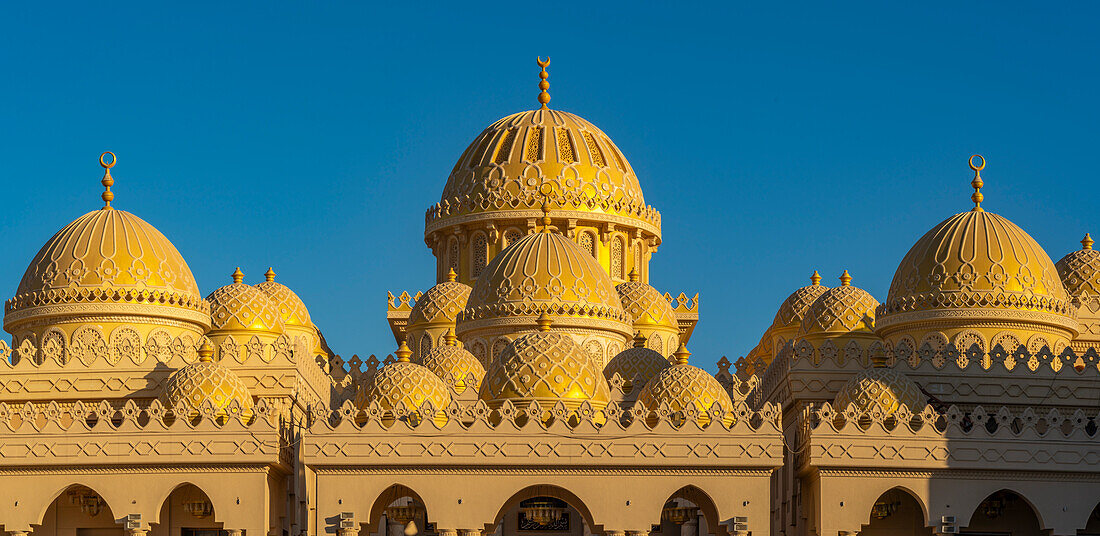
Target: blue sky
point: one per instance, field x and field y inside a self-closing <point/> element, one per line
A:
<point x="774" y="140"/>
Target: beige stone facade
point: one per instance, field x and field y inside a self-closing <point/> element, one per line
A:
<point x="542" y="387"/>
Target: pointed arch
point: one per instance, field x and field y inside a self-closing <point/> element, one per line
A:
<point x="197" y="493"/>
<point x="81" y="492"/>
<point x="1006" y="510"/>
<point x="897" y="511"/>
<point x="544" y="490"/>
<point x="398" y="495"/>
<point x="691" y="497"/>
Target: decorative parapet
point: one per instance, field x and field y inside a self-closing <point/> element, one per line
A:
<point x="1005" y="439"/>
<point x="475" y="434"/>
<point x="739" y="388"/>
<point x="397" y="312"/>
<point x="687" y="313"/>
<point x="569" y="205"/>
<point x="103" y="434"/>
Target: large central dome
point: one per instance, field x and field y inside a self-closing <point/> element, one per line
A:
<point x="505" y="175"/>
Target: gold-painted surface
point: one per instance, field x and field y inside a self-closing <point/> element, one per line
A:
<point x="547" y="367"/>
<point x="544" y="273"/>
<point x="405" y="382"/>
<point x="440" y="305"/>
<point x="292" y="310"/>
<point x="1080" y="270"/>
<point x="636" y="366"/>
<point x="683" y="386"/>
<point x="882" y="389"/>
<point x="840" y="310"/>
<point x="454" y="365"/>
<point x="241" y="307"/>
<point x="205" y="380"/>
<point x="793" y="309"/>
<point x="646" y="306"/>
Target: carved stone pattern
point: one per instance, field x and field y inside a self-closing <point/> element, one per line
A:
<point x="646" y="305"/>
<point x="840" y="310"/>
<point x="441" y="304"/>
<point x="636" y="365"/>
<point x="290" y="307"/>
<point x="1080" y="272"/>
<point x="454" y="364"/>
<point x="238" y="306"/>
<point x="544" y="366"/>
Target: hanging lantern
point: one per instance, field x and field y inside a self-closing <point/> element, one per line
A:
<point x="542" y="510"/>
<point x="678" y="514"/>
<point x="198" y="507"/>
<point x="87" y="500"/>
<point x="884" y="508"/>
<point x="993" y="507"/>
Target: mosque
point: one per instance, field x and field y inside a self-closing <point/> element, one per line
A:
<point x="543" y="385"/>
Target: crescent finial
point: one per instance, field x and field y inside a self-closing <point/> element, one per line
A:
<point x="544" y="95"/>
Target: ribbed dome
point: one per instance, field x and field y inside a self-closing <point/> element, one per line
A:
<point x="840" y="310"/>
<point x="108" y="261"/>
<point x="405" y="382"/>
<point x="440" y="305"/>
<point x="547" y="367"/>
<point x="1080" y="270"/>
<point x="980" y="263"/>
<point x="882" y="389"/>
<point x="504" y="167"/>
<point x="292" y="310"/>
<point x="683" y="386"/>
<point x="545" y="273"/>
<point x="241" y="307"/>
<point x="637" y="365"/>
<point x="204" y="380"/>
<point x="454" y="365"/>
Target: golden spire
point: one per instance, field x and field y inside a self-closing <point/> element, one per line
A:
<point x="544" y="322"/>
<point x="269" y="275"/>
<point x="633" y="276"/>
<point x="403" y="352"/>
<point x="451" y="275"/>
<point x="815" y="279"/>
<point x="639" y="340"/>
<point x="237" y="275"/>
<point x="682" y="354"/>
<point x="878" y="358"/>
<point x="977" y="182"/>
<point x="206" y="352"/>
<point x="108" y="180"/>
<point x="544" y="96"/>
<point x="449" y="338"/>
<point x="1086" y="242"/>
<point x="845" y="279"/>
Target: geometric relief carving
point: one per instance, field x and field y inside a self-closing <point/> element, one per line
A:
<point x="255" y="348"/>
<point x="230" y="349"/>
<point x="53" y="347"/>
<point x="27" y="348"/>
<point x="159" y="345"/>
<point x="964" y="341"/>
<point x="183" y="348"/>
<point x="125" y="344"/>
<point x="932" y="349"/>
<point x="87" y="344"/>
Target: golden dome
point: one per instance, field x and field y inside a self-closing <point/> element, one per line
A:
<point x="454" y="365"/>
<point x="241" y="307"/>
<point x="637" y="365"/>
<point x="544" y="273"/>
<point x="504" y="167"/>
<point x="683" y="386"/>
<point x="646" y="305"/>
<point x="547" y="367"/>
<point x="440" y="305"/>
<point x="292" y="310"/>
<point x="406" y="383"/>
<point x="794" y="308"/>
<point x="1080" y="270"/>
<point x="880" y="388"/>
<point x="840" y="310"/>
<point x="204" y="380"/>
<point x="108" y="261"/>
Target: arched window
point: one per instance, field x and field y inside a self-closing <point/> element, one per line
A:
<point x="617" y="265"/>
<point x="480" y="254"/>
<point x="498" y="347"/>
<point x="511" y="235"/>
<point x="588" y="243"/>
<point x="452" y="254"/>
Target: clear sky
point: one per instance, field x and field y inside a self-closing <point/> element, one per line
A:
<point x="312" y="136"/>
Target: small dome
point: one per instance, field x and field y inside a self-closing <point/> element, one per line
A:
<point x="840" y="310"/>
<point x="241" y="307"/>
<point x="454" y="365"/>
<point x="682" y="386"/>
<point x="547" y="367"/>
<point x="1080" y="270"/>
<point x="880" y="388"/>
<point x="112" y="261"/>
<point x="440" y="305"/>
<point x="647" y="306"/>
<point x="405" y="382"/>
<point x="637" y="365"/>
<point x="545" y="273"/>
<point x="204" y="380"/>
<point x="291" y="309"/>
<point x="794" y="308"/>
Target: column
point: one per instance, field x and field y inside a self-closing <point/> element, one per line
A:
<point x="233" y="532"/>
<point x="614" y="533"/>
<point x="18" y="533"/>
<point x="446" y="532"/>
<point x="342" y="531"/>
<point x="137" y="532"/>
<point x="468" y="532"/>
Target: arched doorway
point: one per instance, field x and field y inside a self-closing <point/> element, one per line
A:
<point x="398" y="511"/>
<point x="1092" y="526"/>
<point x="1004" y="513"/>
<point x="187" y="511"/>
<point x="896" y="513"/>
<point x="689" y="512"/>
<point x="543" y="510"/>
<point x="79" y="510"/>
